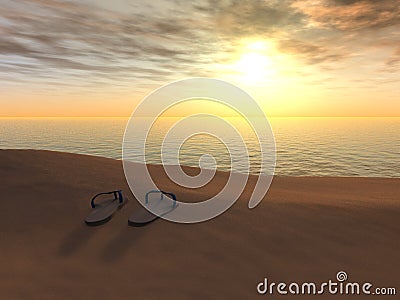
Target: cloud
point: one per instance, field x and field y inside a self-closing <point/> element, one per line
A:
<point x="341" y="29"/>
<point x="74" y="36"/>
<point x="135" y="42"/>
<point x="252" y="17"/>
<point x="393" y="62"/>
<point x="351" y="15"/>
<point x="312" y="53"/>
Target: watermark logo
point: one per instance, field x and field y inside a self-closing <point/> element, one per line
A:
<point x="341" y="276"/>
<point x="179" y="92"/>
<point x="340" y="286"/>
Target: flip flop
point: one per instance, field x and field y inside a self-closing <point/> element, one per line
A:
<point x="143" y="216"/>
<point x="103" y="211"/>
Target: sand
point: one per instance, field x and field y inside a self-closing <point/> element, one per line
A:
<point x="306" y="229"/>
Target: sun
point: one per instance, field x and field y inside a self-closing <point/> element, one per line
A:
<point x="254" y="65"/>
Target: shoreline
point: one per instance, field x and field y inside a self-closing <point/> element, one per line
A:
<point x="192" y="167"/>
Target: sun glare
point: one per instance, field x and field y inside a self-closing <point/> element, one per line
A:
<point x="257" y="46"/>
<point x="254" y="65"/>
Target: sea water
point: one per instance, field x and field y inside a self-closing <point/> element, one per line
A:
<point x="368" y="147"/>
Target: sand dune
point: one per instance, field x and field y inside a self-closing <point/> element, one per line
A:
<point x="306" y="229"/>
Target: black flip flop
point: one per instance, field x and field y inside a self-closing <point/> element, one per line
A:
<point x="143" y="216"/>
<point x="103" y="211"/>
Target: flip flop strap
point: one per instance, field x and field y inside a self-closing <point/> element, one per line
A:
<point x="162" y="195"/>
<point x="172" y="196"/>
<point x="117" y="196"/>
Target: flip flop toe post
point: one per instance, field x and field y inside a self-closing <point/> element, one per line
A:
<point x="144" y="216"/>
<point x="103" y="211"/>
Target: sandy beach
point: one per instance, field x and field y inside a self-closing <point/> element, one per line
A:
<point x="306" y="229"/>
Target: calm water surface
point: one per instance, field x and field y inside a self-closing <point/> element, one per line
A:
<point x="305" y="146"/>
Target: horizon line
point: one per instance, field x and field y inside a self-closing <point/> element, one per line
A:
<point x="180" y="116"/>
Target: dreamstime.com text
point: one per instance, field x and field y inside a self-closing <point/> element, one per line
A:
<point x="340" y="286"/>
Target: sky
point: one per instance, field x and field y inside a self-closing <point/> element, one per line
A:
<point x="296" y="58"/>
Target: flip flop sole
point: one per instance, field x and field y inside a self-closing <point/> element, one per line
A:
<point x="103" y="213"/>
<point x="143" y="217"/>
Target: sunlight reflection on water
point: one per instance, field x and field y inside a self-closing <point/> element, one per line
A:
<point x="305" y="146"/>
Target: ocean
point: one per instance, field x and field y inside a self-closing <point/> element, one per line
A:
<point x="366" y="147"/>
